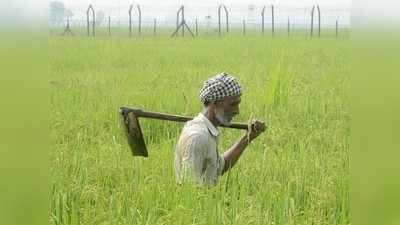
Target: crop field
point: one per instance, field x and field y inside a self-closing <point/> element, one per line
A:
<point x="296" y="173"/>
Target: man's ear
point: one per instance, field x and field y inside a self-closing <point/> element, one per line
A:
<point x="218" y="103"/>
<point x="212" y="105"/>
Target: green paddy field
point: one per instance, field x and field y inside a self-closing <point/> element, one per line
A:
<point x="296" y="173"/>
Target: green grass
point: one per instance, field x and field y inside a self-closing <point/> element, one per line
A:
<point x="295" y="173"/>
<point x="148" y="31"/>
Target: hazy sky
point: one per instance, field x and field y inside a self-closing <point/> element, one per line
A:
<point x="332" y="3"/>
<point x="165" y="10"/>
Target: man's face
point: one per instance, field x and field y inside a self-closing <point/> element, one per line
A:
<point x="227" y="108"/>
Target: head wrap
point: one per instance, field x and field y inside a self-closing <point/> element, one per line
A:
<point x="218" y="87"/>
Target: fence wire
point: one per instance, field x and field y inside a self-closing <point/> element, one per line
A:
<point x="162" y="20"/>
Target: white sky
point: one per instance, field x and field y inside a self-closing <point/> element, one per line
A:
<point x="165" y="10"/>
<point x="330" y="3"/>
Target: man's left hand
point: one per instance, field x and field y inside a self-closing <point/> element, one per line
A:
<point x="255" y="128"/>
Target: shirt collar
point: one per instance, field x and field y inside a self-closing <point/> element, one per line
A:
<point x="213" y="130"/>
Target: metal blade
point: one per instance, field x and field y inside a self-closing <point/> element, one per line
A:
<point x="133" y="133"/>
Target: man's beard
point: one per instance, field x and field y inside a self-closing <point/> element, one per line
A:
<point x="223" y="118"/>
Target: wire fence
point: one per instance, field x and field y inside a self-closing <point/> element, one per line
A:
<point x="222" y="20"/>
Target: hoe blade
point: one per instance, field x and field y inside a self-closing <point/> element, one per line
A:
<point x="133" y="132"/>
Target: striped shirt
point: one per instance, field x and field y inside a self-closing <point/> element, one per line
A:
<point x="197" y="158"/>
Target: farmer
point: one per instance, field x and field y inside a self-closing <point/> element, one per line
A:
<point x="197" y="158"/>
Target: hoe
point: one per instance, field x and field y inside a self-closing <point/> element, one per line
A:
<point x="130" y="120"/>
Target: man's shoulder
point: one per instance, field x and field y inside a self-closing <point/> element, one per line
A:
<point x="195" y="130"/>
<point x="195" y="127"/>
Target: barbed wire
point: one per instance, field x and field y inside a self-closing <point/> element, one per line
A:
<point x="207" y="14"/>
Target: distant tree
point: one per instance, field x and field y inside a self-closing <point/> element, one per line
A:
<point x="100" y="17"/>
<point x="57" y="11"/>
<point x="68" y="14"/>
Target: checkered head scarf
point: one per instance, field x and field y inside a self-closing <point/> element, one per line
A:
<point x="218" y="87"/>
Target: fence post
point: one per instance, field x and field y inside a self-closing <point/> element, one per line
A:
<point x="219" y="19"/>
<point x="262" y="20"/>
<point x="183" y="19"/>
<point x="155" y="27"/>
<point x="130" y="20"/>
<point x="67" y="29"/>
<point x="227" y="19"/>
<point x="196" y="27"/>
<point x="90" y="10"/>
<point x="288" y="27"/>
<point x="182" y="24"/>
<point x="177" y="18"/>
<point x="273" y="19"/>
<point x="337" y="29"/>
<point x="312" y="21"/>
<point x="109" y="26"/>
<point x="94" y="23"/>
<point x="244" y="27"/>
<point x="319" y="21"/>
<point x="140" y="20"/>
<point x="88" y="22"/>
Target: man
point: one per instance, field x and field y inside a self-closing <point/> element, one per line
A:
<point x="197" y="158"/>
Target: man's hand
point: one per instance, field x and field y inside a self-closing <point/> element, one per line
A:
<point x="255" y="128"/>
